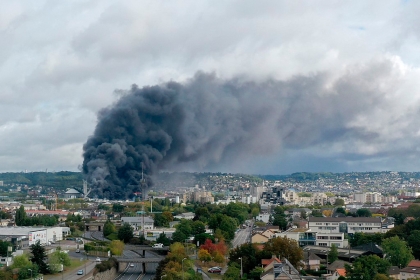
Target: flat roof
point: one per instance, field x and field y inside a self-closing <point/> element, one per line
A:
<point x="18" y="231"/>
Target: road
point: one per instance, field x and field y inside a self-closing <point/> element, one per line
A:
<point x="133" y="272"/>
<point x="242" y="236"/>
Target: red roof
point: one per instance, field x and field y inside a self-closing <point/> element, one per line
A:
<point x="341" y="272"/>
<point x="265" y="262"/>
<point x="414" y="263"/>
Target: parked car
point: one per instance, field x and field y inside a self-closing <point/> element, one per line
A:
<point x="157" y="245"/>
<point x="77" y="250"/>
<point x="131" y="264"/>
<point x="80" y="272"/>
<point x="98" y="259"/>
<point x="215" y="269"/>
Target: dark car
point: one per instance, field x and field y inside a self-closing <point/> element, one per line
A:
<point x="214" y="269"/>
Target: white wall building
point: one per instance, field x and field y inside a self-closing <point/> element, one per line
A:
<point x="348" y="225"/>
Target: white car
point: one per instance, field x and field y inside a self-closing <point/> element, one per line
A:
<point x="157" y="245"/>
<point x="98" y="259"/>
<point x="131" y="265"/>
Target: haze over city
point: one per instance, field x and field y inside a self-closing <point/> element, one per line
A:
<point x="269" y="88"/>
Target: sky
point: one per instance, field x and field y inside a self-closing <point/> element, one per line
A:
<point x="61" y="62"/>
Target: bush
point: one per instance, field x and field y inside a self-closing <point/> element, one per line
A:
<point x="106" y="265"/>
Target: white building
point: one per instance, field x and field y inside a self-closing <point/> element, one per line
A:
<point x="139" y="222"/>
<point x="348" y="225"/>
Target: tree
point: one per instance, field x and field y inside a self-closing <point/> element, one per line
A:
<point x="39" y="257"/>
<point x="163" y="239"/>
<point x="3" y="247"/>
<point x="198" y="227"/>
<point x="285" y="247"/>
<point x="57" y="258"/>
<point x="232" y="273"/>
<point x="367" y="267"/>
<point x="118" y="208"/>
<point x="20" y="216"/>
<point x="414" y="242"/>
<point x="340" y="210"/>
<point x="125" y="233"/>
<point x="21" y="261"/>
<point x="109" y="228"/>
<point x="280" y="221"/>
<point x="204" y="255"/>
<point x="116" y="247"/>
<point x="339" y="202"/>
<point x="397" y="252"/>
<point x="363" y="212"/>
<point x="333" y="254"/>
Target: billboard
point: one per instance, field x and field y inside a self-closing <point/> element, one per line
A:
<point x="40" y="235"/>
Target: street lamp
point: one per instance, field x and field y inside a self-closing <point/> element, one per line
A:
<point x="182" y="263"/>
<point x="30" y="271"/>
<point x="241" y="266"/>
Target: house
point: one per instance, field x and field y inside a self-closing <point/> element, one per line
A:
<point x="138" y="223"/>
<point x="394" y="272"/>
<point x="311" y="261"/>
<point x="268" y="263"/>
<point x="268" y="233"/>
<point x="411" y="271"/>
<point x="187" y="216"/>
<point x="73" y="193"/>
<point x="259" y="238"/>
<point x="338" y="264"/>
<point x="336" y="274"/>
<point x="282" y="270"/>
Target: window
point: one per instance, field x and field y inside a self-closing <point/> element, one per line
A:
<point x="323" y="244"/>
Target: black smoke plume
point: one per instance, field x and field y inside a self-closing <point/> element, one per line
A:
<point x="206" y="121"/>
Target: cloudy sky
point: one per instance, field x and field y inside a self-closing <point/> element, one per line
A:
<point x="62" y="61"/>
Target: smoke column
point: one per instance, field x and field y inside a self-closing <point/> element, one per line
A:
<point x="206" y="121"/>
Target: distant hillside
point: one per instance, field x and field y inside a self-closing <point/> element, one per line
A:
<point x="63" y="179"/>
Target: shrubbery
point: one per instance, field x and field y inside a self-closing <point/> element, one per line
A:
<point x="106" y="265"/>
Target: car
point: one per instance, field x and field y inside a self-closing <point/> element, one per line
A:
<point x="80" y="272"/>
<point x="77" y="250"/>
<point x="157" y="245"/>
<point x="98" y="259"/>
<point x="131" y="265"/>
<point x="215" y="269"/>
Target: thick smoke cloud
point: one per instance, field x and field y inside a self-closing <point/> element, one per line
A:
<point x="206" y="121"/>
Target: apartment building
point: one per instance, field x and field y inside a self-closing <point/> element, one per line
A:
<point x="306" y="237"/>
<point x="198" y="196"/>
<point x="349" y="225"/>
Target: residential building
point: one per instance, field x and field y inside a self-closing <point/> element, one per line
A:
<point x="349" y="225"/>
<point x="139" y="222"/>
<point x="259" y="238"/>
<point x="412" y="270"/>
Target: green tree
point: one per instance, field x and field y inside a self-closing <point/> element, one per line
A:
<point x="20" y="216"/>
<point x="232" y="273"/>
<point x="339" y="202"/>
<point x="255" y="274"/>
<point x="163" y="239"/>
<point x="363" y="212"/>
<point x="396" y="251"/>
<point x="367" y="267"/>
<point x="3" y="247"/>
<point x="116" y="247"/>
<point x="109" y="228"/>
<point x="333" y="254"/>
<point x="414" y="242"/>
<point x="39" y="257"/>
<point x="57" y="258"/>
<point x="21" y="261"/>
<point x="118" y="208"/>
<point x="340" y="210"/>
<point x="198" y="227"/>
<point x="125" y="233"/>
<point x="280" y="221"/>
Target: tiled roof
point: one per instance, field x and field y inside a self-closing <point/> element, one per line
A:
<point x="341" y="271"/>
<point x="414" y="263"/>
